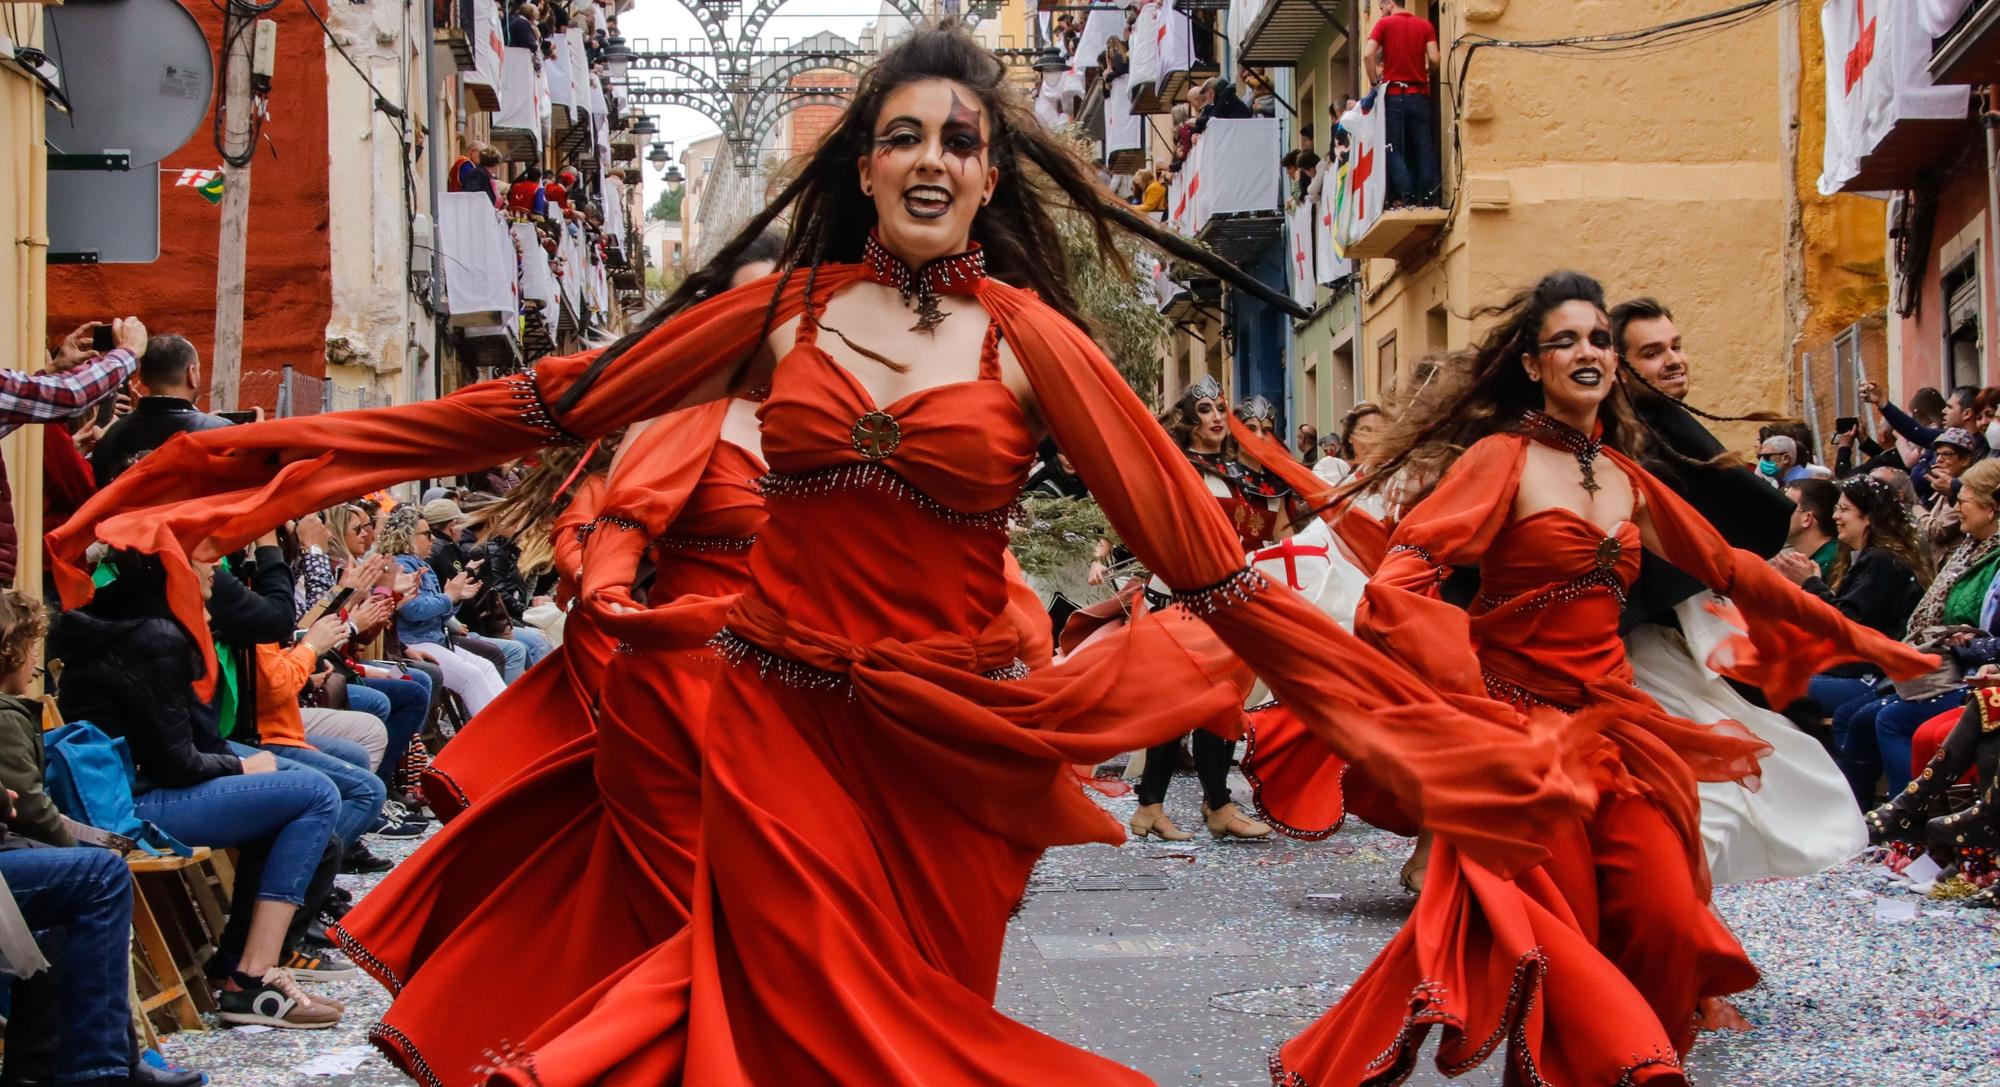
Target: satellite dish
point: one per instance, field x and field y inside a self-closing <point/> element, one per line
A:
<point x="138" y="75"/>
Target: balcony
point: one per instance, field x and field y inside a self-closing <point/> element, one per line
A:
<point x="452" y="33"/>
<point x="1887" y="120"/>
<point x="479" y="261"/>
<point x="1969" y="50"/>
<point x="1397" y="234"/>
<point x="1162" y="52"/>
<point x="1233" y="188"/>
<point x="1124" y="131"/>
<point x="517" y="125"/>
<point x="1280" y="31"/>
<point x="1184" y="290"/>
<point x="624" y="147"/>
<point x="482" y="82"/>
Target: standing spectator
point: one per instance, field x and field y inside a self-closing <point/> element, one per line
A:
<point x="169" y="380"/>
<point x="1307" y="443"/>
<point x="521" y="33"/>
<point x="473" y="172"/>
<point x="1958" y="411"/>
<point x="1778" y="460"/>
<point x="75" y="380"/>
<point x="1151" y="194"/>
<point x="1402" y="52"/>
<point x="527" y="196"/>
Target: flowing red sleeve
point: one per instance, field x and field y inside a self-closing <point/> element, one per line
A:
<point x="1470" y="776"/>
<point x="650" y="485"/>
<point x="1366" y="537"/>
<point x="1789" y="634"/>
<point x="583" y="508"/>
<point x="1402" y="611"/>
<point x="206" y="494"/>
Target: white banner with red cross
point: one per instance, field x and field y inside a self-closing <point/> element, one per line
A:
<point x="1877" y="77"/>
<point x="1366" y="184"/>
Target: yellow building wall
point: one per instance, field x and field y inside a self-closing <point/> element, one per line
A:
<point x="23" y="313"/>
<point x="1662" y="175"/>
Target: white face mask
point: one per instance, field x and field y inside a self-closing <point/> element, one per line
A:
<point x="1993" y="434"/>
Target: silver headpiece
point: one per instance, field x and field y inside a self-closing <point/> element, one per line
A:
<point x="1257" y="407"/>
<point x="1206" y="389"/>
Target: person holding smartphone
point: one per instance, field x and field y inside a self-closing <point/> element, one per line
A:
<point x="168" y="380"/>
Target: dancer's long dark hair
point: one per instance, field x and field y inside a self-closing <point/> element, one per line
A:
<point x="1487" y="391"/>
<point x="831" y="217"/>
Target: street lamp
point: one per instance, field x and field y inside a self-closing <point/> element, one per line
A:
<point x="617" y="58"/>
<point x="645" y="126"/>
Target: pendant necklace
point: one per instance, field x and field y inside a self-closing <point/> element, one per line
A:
<point x="1581" y="446"/>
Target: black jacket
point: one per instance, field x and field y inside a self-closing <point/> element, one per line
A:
<point x="129" y="669"/>
<point x="152" y="421"/>
<point x="241" y="616"/>
<point x="1750" y="513"/>
<point x="1878" y="592"/>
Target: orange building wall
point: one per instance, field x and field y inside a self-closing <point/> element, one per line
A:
<point x="288" y="296"/>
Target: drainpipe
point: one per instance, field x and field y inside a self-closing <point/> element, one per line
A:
<point x="433" y="92"/>
<point x="1989" y="119"/>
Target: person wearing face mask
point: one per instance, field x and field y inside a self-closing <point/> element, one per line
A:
<point x="1778" y="460"/>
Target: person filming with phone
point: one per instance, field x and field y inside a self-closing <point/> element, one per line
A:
<point x="168" y="381"/>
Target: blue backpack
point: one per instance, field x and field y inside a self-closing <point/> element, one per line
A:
<point x="90" y="778"/>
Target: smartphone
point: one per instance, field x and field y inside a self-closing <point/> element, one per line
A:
<point x="101" y="338"/>
<point x="238" y="417"/>
<point x="1845" y="423"/>
<point x="339" y="602"/>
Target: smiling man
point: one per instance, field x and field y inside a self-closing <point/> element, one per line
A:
<point x="1650" y="343"/>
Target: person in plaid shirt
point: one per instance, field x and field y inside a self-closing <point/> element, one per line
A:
<point x="74" y="381"/>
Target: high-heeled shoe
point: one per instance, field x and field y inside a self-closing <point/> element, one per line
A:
<point x="1228" y="821"/>
<point x="1156" y="825"/>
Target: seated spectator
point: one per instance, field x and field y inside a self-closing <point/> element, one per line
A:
<point x="1872" y="723"/>
<point x="282" y="674"/>
<point x="130" y="669"/>
<point x="498" y="612"/>
<point x="1879" y="575"/>
<point x="169" y="380"/>
<point x="1811" y="530"/>
<point x="1898" y="481"/>
<point x="1919" y="816"/>
<point x="422" y="615"/>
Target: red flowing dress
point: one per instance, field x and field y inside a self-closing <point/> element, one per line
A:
<point x="1589" y="967"/>
<point x="878" y="773"/>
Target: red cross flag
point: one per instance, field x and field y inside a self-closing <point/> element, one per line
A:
<point x="1305" y="291"/>
<point x="1367" y="183"/>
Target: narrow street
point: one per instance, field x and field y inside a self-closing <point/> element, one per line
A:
<point x="1191" y="962"/>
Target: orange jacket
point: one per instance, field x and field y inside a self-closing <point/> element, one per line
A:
<point x="281" y="675"/>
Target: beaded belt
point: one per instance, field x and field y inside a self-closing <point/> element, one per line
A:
<point x="705" y="543"/>
<point x="736" y="649"/>
<point x="1507" y="690"/>
<point x="850" y="477"/>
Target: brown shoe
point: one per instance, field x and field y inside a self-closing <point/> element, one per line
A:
<point x="1156" y="824"/>
<point x="1228" y="821"/>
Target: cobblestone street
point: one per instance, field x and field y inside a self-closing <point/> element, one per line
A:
<point x="1191" y="962"/>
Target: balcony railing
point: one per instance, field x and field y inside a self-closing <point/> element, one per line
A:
<point x="454" y="20"/>
<point x="1887" y="120"/>
<point x="1365" y="226"/>
<point x="489" y="46"/>
<point x="479" y="260"/>
<point x="1278" y="32"/>
<point x="1229" y="191"/>
<point x="517" y="124"/>
<point x="1162" y="53"/>
<point x="1967" y="42"/>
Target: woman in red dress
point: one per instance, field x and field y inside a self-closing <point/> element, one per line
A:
<point x="1590" y="966"/>
<point x="879" y="772"/>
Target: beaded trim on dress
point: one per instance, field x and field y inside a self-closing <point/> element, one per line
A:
<point x="736" y="649"/>
<point x="847" y="477"/>
<point x="535" y="410"/>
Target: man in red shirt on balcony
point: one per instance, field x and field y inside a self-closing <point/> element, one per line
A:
<point x="1402" y="52"/>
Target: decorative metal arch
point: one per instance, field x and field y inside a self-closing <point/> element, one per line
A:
<point x="711" y="106"/>
<point x="756" y="16"/>
<point x="768" y="120"/>
<point x="778" y="79"/>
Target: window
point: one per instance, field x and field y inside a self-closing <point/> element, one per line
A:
<point x="1385" y="366"/>
<point x="1847" y="372"/>
<point x="1960" y="287"/>
<point x="1437" y="330"/>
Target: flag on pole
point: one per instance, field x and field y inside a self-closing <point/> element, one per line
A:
<point x="206" y="182"/>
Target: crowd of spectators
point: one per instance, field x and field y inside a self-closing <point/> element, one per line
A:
<point x="347" y="646"/>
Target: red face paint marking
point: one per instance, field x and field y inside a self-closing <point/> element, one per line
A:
<point x="963" y="137"/>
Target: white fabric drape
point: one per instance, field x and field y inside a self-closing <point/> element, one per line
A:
<point x="1877" y="76"/>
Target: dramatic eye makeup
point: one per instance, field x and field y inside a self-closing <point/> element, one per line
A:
<point x="963" y="136"/>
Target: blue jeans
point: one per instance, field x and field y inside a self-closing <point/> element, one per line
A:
<point x="1833" y="693"/>
<point x="290" y="813"/>
<point x="538" y="643"/>
<point x="345" y="763"/>
<point x="1896" y="726"/>
<point x="403" y="705"/>
<point x="1411" y="128"/>
<point x="79" y="903"/>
